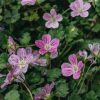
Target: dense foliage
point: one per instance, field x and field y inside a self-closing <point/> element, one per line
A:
<point x="49" y="49"/>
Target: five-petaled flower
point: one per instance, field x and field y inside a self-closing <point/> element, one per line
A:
<point x="21" y="60"/>
<point x="79" y="8"/>
<point x="28" y="2"/>
<point x="73" y="68"/>
<point x="52" y="19"/>
<point x="47" y="45"/>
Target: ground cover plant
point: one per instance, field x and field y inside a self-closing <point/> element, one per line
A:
<point x="49" y="49"/>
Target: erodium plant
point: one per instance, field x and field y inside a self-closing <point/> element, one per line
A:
<point x="49" y="49"/>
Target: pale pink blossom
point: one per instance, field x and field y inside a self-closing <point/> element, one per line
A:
<point x="73" y="68"/>
<point x="52" y="19"/>
<point x="21" y="60"/>
<point x="95" y="48"/>
<point x="80" y="8"/>
<point x="47" y="45"/>
<point x="28" y="2"/>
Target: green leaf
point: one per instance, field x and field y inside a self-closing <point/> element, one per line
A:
<point x="40" y="1"/>
<point x="61" y="88"/>
<point x="25" y="38"/>
<point x="53" y="74"/>
<point x="12" y="95"/>
<point x="74" y="96"/>
<point x="3" y="60"/>
<point x="96" y="28"/>
<point x="91" y="96"/>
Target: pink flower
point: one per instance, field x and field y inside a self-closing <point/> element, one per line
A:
<point x="95" y="48"/>
<point x="11" y="45"/>
<point x="79" y="8"/>
<point x="83" y="54"/>
<point x="21" y="60"/>
<point x="52" y="19"/>
<point x="73" y="68"/>
<point x="47" y="45"/>
<point x="28" y="2"/>
<point x="44" y="92"/>
<point x="8" y="80"/>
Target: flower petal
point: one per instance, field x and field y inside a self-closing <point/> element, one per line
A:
<point x="42" y="51"/>
<point x="86" y="6"/>
<point x="39" y="43"/>
<point x="84" y="14"/>
<point x="24" y="69"/>
<point x="21" y="52"/>
<point x="73" y="59"/>
<point x="66" y="69"/>
<point x="74" y="14"/>
<point x="80" y="65"/>
<point x="53" y="12"/>
<point x="55" y="43"/>
<point x="76" y="75"/>
<point x="55" y="24"/>
<point x="46" y="38"/>
<point x="73" y="6"/>
<point x="53" y="55"/>
<point x="13" y="59"/>
<point x="46" y="16"/>
<point x="48" y="24"/>
<point x="59" y="17"/>
<point x="53" y="49"/>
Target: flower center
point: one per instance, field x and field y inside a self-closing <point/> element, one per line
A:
<point x="80" y="10"/>
<point x="47" y="47"/>
<point x="75" y="68"/>
<point x="53" y="19"/>
<point x="22" y="63"/>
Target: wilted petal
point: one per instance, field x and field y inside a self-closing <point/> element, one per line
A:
<point x="29" y="50"/>
<point x="76" y="75"/>
<point x="46" y="38"/>
<point x="46" y="16"/>
<point x="73" y="59"/>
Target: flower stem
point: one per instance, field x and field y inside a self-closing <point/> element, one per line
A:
<point x="84" y="78"/>
<point x="28" y="90"/>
